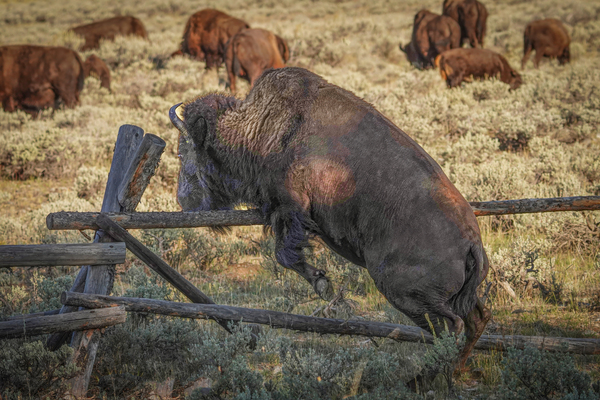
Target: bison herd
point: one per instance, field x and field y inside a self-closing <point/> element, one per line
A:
<point x="437" y="41"/>
<point x="34" y="77"/>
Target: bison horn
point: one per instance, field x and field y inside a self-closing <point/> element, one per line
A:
<point x="175" y="120"/>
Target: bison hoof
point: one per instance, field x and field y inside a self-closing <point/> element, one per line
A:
<point x="323" y="288"/>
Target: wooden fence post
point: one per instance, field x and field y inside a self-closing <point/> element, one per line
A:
<point x="123" y="176"/>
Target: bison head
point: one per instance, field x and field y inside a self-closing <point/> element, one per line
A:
<point x="412" y="55"/>
<point x="203" y="185"/>
<point x="515" y="80"/>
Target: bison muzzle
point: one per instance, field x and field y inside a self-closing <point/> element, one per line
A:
<point x="317" y="160"/>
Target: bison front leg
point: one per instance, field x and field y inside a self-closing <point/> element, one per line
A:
<point x="290" y="240"/>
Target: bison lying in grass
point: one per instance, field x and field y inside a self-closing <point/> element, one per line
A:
<point x="459" y="65"/>
<point x="317" y="160"/>
<point x="37" y="77"/>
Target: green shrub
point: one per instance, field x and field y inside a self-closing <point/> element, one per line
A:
<point x="531" y="374"/>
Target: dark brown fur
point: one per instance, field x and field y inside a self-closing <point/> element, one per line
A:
<point x="316" y="159"/>
<point x="458" y="65"/>
<point x="36" y="77"/>
<point x="206" y="33"/>
<point x="549" y="38"/>
<point x="109" y="28"/>
<point x="252" y="51"/>
<point x="471" y="15"/>
<point x="432" y="35"/>
<point x="94" y="65"/>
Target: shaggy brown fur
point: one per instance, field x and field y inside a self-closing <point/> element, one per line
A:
<point x="317" y="160"/>
<point x="549" y="38"/>
<point x="471" y="15"/>
<point x="109" y="28"/>
<point x="252" y="51"/>
<point x="432" y="35"/>
<point x="206" y="33"/>
<point x="458" y="65"/>
<point x="35" y="77"/>
<point x="94" y="66"/>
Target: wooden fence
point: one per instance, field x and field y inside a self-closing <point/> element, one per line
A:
<point x="87" y="306"/>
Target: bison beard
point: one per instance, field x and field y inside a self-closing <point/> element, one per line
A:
<point x="318" y="160"/>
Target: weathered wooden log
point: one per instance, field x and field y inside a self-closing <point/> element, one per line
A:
<point x="100" y="278"/>
<point x="157" y="264"/>
<point x="140" y="170"/>
<point x="526" y="206"/>
<point x="277" y="319"/>
<point x="128" y="140"/>
<point x="151" y="220"/>
<point x="62" y="254"/>
<point x="75" y="321"/>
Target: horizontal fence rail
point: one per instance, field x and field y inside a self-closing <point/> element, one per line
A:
<point x="151" y="220"/>
<point x="277" y="319"/>
<point x="32" y="255"/>
<point x="75" y="321"/>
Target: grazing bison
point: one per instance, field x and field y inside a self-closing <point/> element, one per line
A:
<point x="94" y="65"/>
<point x="317" y="160"/>
<point x="457" y="65"/>
<point x="432" y="34"/>
<point x="471" y="15"/>
<point x="35" y="77"/>
<point x="251" y="51"/>
<point x="206" y="33"/>
<point x="549" y="38"/>
<point x="108" y="29"/>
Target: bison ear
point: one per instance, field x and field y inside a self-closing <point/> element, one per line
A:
<point x="402" y="48"/>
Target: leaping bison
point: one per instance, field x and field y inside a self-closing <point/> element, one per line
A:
<point x="549" y="38"/>
<point x="252" y="51"/>
<point x="317" y="160"/>
<point x="108" y="29"/>
<point x="35" y="77"/>
<point x="458" y="65"/>
<point x="206" y="33"/>
<point x="432" y="35"/>
<point x="471" y="15"/>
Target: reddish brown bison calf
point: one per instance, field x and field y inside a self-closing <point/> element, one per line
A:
<point x="471" y="15"/>
<point x="549" y="38"/>
<point x="457" y="65"/>
<point x="432" y="34"/>
<point x="108" y="29"/>
<point x="252" y="51"/>
<point x="35" y="77"/>
<point x="94" y="66"/>
<point x="206" y="33"/>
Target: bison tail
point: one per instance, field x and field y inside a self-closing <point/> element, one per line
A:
<point x="236" y="67"/>
<point x="465" y="300"/>
<point x="526" y="40"/>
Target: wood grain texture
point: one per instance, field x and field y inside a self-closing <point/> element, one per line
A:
<point x="62" y="254"/>
<point x="75" y="321"/>
<point x="277" y="319"/>
<point x="151" y="220"/>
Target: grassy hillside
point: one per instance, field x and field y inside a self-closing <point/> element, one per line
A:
<point x="541" y="140"/>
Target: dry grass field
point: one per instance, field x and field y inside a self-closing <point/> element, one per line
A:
<point x="542" y="140"/>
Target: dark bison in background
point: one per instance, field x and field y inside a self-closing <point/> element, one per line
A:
<point x="206" y="33"/>
<point x="252" y="51"/>
<point x="471" y="15"/>
<point x="432" y="34"/>
<point x="108" y="29"/>
<point x="549" y="38"/>
<point x="317" y="160"/>
<point x="34" y="77"/>
<point x="94" y="66"/>
<point x="459" y="65"/>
